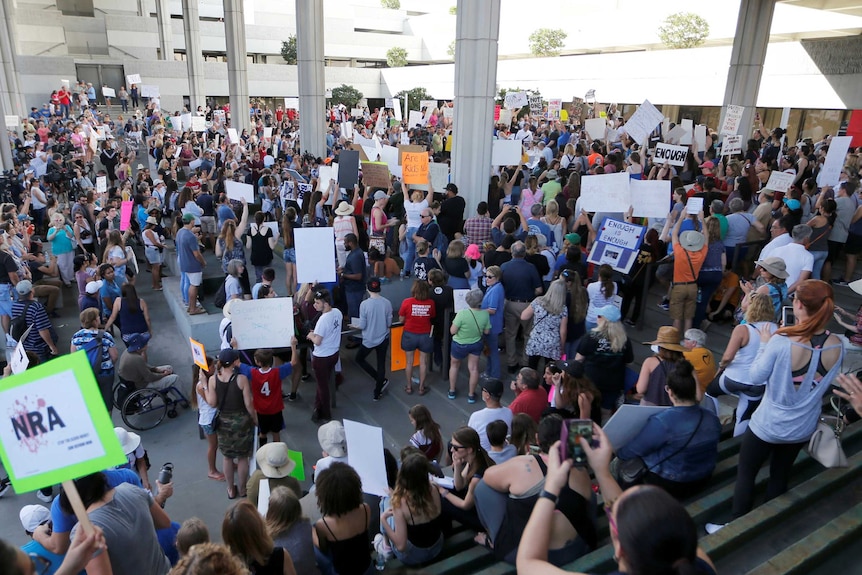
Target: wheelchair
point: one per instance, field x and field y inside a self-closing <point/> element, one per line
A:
<point x="145" y="408"/>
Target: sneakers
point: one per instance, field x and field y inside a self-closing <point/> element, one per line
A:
<point x="289" y="396"/>
<point x="5" y="486"/>
<point x="451" y="394"/>
<point x="665" y="304"/>
<point x="379" y="394"/>
<point x="471" y="399"/>
<point x="839" y="282"/>
<point x="714" y="527"/>
<point x="415" y="380"/>
<point x="305" y="376"/>
<point x="382" y="547"/>
<point x="45" y="498"/>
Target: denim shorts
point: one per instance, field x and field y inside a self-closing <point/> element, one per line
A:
<point x="6" y="299"/>
<point x="412" y="341"/>
<point x="208" y="429"/>
<point x="289" y="255"/>
<point x="461" y="350"/>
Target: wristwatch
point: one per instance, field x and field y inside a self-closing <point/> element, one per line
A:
<point x="548" y="495"/>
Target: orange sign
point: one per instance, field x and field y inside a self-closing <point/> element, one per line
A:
<point x="399" y="357"/>
<point x="414" y="167"/>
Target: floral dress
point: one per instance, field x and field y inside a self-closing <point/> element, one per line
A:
<point x="545" y="336"/>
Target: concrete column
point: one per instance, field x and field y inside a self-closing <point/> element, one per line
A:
<point x="166" y="39"/>
<point x="312" y="84"/>
<point x="10" y="89"/>
<point x="477" y="30"/>
<point x="194" y="58"/>
<point x="746" y="60"/>
<point x="237" y="68"/>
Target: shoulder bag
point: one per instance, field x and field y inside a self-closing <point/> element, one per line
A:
<point x="825" y="444"/>
<point x="216" y="422"/>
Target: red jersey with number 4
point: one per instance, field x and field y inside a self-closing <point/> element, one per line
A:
<point x="266" y="387"/>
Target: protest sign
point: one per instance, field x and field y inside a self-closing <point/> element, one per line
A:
<point x="186" y="121"/>
<point x="515" y="100"/>
<point x="596" y="128"/>
<point x="732" y="145"/>
<point x="667" y="153"/>
<point x="628" y="421"/>
<point x="448" y="112"/>
<point x="606" y="193"/>
<point x="403" y="148"/>
<point x="57" y="426"/>
<point x="347" y="130"/>
<point x="149" y="91"/>
<point x="272" y="226"/>
<point x="392" y="157"/>
<point x="831" y="171"/>
<point x="590" y="95"/>
<point x="650" y="198"/>
<point x="199" y="354"/>
<point x="460" y="297"/>
<point x="397" y="357"/>
<point x="700" y="137"/>
<point x="686" y="138"/>
<point x="195" y="164"/>
<point x="365" y="455"/>
<point x="303" y="191"/>
<point x="126" y="215"/>
<point x="415" y="119"/>
<point x="199" y="124"/>
<point x="239" y="190"/>
<point x="505" y="117"/>
<point x="427" y="105"/>
<point x="554" y="107"/>
<point x="133" y="79"/>
<point x="108" y="92"/>
<point x="375" y="174"/>
<point x="348" y="168"/>
<point x="497" y="109"/>
<point x="266" y="322"/>
<point x="694" y="205"/>
<point x="779" y="181"/>
<point x="414" y="166"/>
<point x="11" y="121"/>
<point x="732" y="117"/>
<point x="315" y="255"/>
<point x="643" y="122"/>
<point x="101" y="184"/>
<point x="616" y="244"/>
<point x="506" y="152"/>
<point x="397" y="111"/>
<point x="232" y="136"/>
<point x="20" y="361"/>
<point x="388" y="103"/>
<point x="439" y="174"/>
<point x="291" y="103"/>
<point x="356" y="113"/>
<point x="325" y="174"/>
<point x="536" y="104"/>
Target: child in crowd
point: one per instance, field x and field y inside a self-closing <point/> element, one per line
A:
<point x="266" y="390"/>
<point x="192" y="532"/>
<point x="501" y="450"/>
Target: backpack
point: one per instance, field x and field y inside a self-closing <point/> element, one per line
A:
<point x="441" y="242"/>
<point x="19" y="323"/>
<point x="94" y="352"/>
<point x="221" y="295"/>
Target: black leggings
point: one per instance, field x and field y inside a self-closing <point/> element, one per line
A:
<point x="753" y="453"/>
<point x="378" y="374"/>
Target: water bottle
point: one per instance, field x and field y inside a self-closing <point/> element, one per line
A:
<point x="166" y="474"/>
<point x="380" y="564"/>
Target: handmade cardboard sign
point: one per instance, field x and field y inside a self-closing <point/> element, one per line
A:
<point x="315" y="255"/>
<point x="779" y="181"/>
<point x="730" y="125"/>
<point x="54" y="425"/>
<point x="732" y="145"/>
<point x="199" y="354"/>
<point x="108" y="92"/>
<point x="264" y="322"/>
<point x="667" y="153"/>
<point x="829" y="175"/>
<point x="516" y="100"/>
<point x="133" y="79"/>
<point x="643" y="122"/>
<point x="11" y="121"/>
<point x="617" y="244"/>
<point x="506" y="152"/>
<point x="414" y="167"/>
<point x="375" y="174"/>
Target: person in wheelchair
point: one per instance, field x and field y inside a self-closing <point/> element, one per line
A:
<point x="133" y="367"/>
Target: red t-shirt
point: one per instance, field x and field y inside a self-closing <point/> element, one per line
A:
<point x="266" y="387"/>
<point x="417" y="314"/>
<point x="532" y="402"/>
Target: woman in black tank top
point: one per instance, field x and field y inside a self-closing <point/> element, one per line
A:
<point x="244" y="532"/>
<point x="342" y="533"/>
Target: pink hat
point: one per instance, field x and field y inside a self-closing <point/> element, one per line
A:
<point x="473" y="252"/>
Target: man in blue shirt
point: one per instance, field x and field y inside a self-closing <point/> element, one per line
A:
<point x="353" y="276"/>
<point x="191" y="261"/>
<point x="521" y="282"/>
<point x="537" y="226"/>
<point x="91" y="95"/>
<point x="42" y="337"/>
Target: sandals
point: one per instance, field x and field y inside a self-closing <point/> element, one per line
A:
<point x="423" y="390"/>
<point x="483" y="540"/>
<point x="408" y="389"/>
<point x="231" y="492"/>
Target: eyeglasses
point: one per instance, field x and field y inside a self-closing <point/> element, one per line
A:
<point x="40" y="564"/>
<point x="490" y="276"/>
<point x="426" y="217"/>
<point x="458" y="447"/>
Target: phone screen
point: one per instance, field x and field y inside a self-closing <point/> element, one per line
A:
<point x="572" y="431"/>
<point x="787" y="317"/>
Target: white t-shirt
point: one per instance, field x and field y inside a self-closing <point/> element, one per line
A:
<point x="597" y="300"/>
<point x="414" y="212"/>
<point x="325" y="462"/>
<point x="329" y="328"/>
<point x="796" y="258"/>
<point x="480" y="420"/>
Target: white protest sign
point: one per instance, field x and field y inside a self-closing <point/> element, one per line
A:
<point x="232" y="136"/>
<point x="388" y="102"/>
<point x="346" y="130"/>
<point x="199" y="124"/>
<point x="628" y="422"/>
<point x="427" y="105"/>
<point x="596" y="128"/>
<point x="267" y="133"/>
<point x="667" y="153"/>
<point x="505" y="152"/>
<point x="732" y="145"/>
<point x="675" y="135"/>
<point x="405" y="139"/>
<point x="515" y="100"/>
<point x="20" y="361"/>
<point x="149" y="91"/>
<point x="195" y="164"/>
<point x="779" y="181"/>
<point x="643" y="122"/>
<point x="133" y="79"/>
<point x="448" y="112"/>
<point x="730" y="125"/>
<point x="414" y="118"/>
<point x="688" y="126"/>
<point x="555" y="106"/>
<point x="397" y="110"/>
<point x="264" y="322"/>
<point x="536" y="104"/>
<point x="650" y="198"/>
<point x="439" y="175"/>
<point x="616" y="244"/>
<point x="315" y="255"/>
<point x="186" y="121"/>
<point x="305" y="190"/>
<point x="831" y="171"/>
<point x="505" y="117"/>
<point x="365" y="455"/>
<point x="56" y="425"/>
<point x="263" y="493"/>
<point x="700" y="137"/>
<point x="108" y="92"/>
<point x="238" y="190"/>
<point x="460" y="296"/>
<point x="11" y="121"/>
<point x="356" y="113"/>
<point x="389" y="154"/>
<point x="606" y="193"/>
<point x="326" y="173"/>
<point x="694" y="205"/>
<point x="291" y="103"/>
<point x="101" y="184"/>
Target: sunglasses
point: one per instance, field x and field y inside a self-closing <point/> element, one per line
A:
<point x="490" y="276"/>
<point x="457" y="447"/>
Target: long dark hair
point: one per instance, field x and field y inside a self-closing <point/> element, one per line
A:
<point x="91" y="488"/>
<point x="130" y="297"/>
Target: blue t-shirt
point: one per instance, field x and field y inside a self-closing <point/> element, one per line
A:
<point x="64" y="522"/>
<point x="495" y="298"/>
<point x="224" y="214"/>
<point x="187" y="245"/>
<point x="110" y="290"/>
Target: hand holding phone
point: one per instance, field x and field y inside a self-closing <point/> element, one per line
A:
<point x="570" y="446"/>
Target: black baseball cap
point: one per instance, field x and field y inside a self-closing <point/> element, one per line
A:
<point x="493" y="386"/>
<point x="373" y="285"/>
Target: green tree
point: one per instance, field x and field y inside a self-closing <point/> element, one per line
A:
<point x="347" y="95"/>
<point x="547" y="41"/>
<point x="683" y="30"/>
<point x="288" y="50"/>
<point x="391" y="4"/>
<point x="451" y="49"/>
<point x="414" y="96"/>
<point x="396" y="57"/>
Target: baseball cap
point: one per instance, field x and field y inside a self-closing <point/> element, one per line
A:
<point x="451" y="188"/>
<point x="379" y="195"/>
<point x="188" y="218"/>
<point x="94" y="286"/>
<point x="24" y="287"/>
<point x="228" y="356"/>
<point x="792" y="204"/>
<point x="609" y="312"/>
<point x="32" y="516"/>
<point x="708" y="165"/>
<point x="373" y="285"/>
<point x="493" y="386"/>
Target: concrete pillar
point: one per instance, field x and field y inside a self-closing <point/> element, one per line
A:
<point x="10" y="89"/>
<point x="312" y="84"/>
<point x="746" y="60"/>
<point x="477" y="30"/>
<point x="166" y="39"/>
<point x="194" y="57"/>
<point x="237" y="67"/>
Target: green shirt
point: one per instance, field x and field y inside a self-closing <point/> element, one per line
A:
<point x="550" y="190"/>
<point x="472" y="325"/>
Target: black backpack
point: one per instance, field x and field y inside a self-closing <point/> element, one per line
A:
<point x="221" y="295"/>
<point x="19" y="323"/>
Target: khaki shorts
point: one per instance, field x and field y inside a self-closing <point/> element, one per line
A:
<point x="683" y="300"/>
<point x="208" y="225"/>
